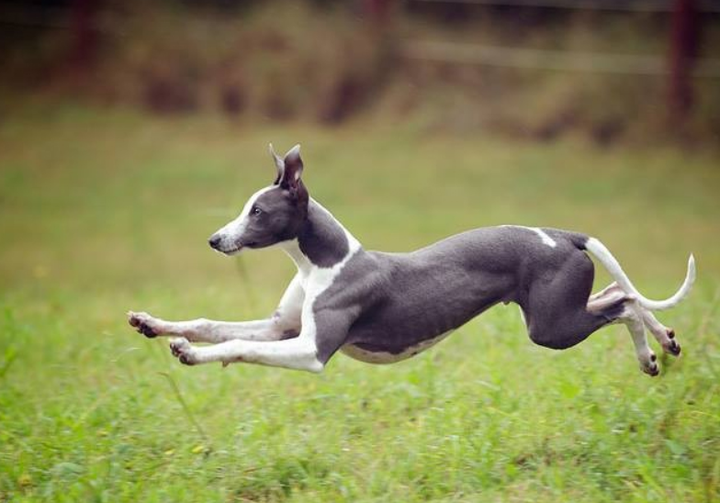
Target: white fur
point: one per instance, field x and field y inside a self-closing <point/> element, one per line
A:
<point x="231" y="232"/>
<point x="632" y="319"/>
<point x="599" y="251"/>
<point x="363" y="355"/>
<point x="286" y="318"/>
<point x="290" y="353"/>
<point x="546" y="239"/>
<point x="522" y="315"/>
<point x="204" y="330"/>
<point x="544" y="236"/>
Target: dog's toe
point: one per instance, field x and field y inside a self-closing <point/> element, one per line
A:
<point x="185" y="360"/>
<point x="671" y="345"/>
<point x="650" y="366"/>
<point x="144" y="324"/>
<point x="672" y="348"/>
<point x="183" y="351"/>
<point x="147" y="331"/>
<point x="175" y="349"/>
<point x="652" y="369"/>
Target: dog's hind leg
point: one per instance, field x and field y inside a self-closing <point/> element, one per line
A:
<point x="561" y="312"/>
<point x="556" y="310"/>
<point x="606" y="296"/>
<point x="632" y="318"/>
<point x="664" y="335"/>
<point x="635" y="318"/>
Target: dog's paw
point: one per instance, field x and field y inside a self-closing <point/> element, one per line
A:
<point x="671" y="346"/>
<point x="650" y="367"/>
<point x="144" y="324"/>
<point x="183" y="351"/>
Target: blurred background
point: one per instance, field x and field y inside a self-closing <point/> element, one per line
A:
<point x="608" y="70"/>
<point x="132" y="130"/>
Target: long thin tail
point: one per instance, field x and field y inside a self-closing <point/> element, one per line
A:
<point x="607" y="259"/>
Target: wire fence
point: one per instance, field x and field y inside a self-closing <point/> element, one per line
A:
<point x="541" y="59"/>
<point x="465" y="53"/>
<point x="602" y="5"/>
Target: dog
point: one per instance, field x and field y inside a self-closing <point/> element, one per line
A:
<point x="385" y="307"/>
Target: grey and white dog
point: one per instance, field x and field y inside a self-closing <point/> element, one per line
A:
<point x="384" y="307"/>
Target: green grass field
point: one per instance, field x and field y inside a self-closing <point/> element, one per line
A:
<point x="105" y="211"/>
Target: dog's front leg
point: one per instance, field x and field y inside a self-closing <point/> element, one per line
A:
<point x="322" y="334"/>
<point x="299" y="353"/>
<point x="284" y="324"/>
<point x="203" y="330"/>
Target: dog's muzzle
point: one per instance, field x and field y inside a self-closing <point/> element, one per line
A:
<point x="218" y="243"/>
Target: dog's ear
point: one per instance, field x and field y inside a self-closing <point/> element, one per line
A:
<point x="292" y="169"/>
<point x="279" y="164"/>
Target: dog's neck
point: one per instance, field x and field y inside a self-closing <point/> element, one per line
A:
<point x="321" y="242"/>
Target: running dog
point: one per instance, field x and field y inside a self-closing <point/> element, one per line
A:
<point x="385" y="307"/>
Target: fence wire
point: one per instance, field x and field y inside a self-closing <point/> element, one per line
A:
<point x="604" y="5"/>
<point x="541" y="59"/>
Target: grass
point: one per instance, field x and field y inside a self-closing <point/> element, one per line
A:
<point x="105" y="211"/>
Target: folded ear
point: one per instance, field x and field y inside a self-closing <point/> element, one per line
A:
<point x="292" y="169"/>
<point x="279" y="164"/>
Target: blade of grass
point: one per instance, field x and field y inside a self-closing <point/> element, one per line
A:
<point x="188" y="412"/>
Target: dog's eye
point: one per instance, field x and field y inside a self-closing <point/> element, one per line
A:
<point x="255" y="211"/>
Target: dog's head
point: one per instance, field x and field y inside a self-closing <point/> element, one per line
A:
<point x="271" y="215"/>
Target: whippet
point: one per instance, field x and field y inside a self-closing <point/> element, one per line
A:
<point x="384" y="307"/>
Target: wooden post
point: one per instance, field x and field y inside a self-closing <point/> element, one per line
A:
<point x="683" y="49"/>
<point x="84" y="35"/>
<point x="377" y="11"/>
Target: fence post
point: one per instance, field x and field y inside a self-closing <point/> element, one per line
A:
<point x="84" y="35"/>
<point x="683" y="50"/>
<point x="377" y="11"/>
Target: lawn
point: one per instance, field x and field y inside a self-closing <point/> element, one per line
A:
<point x="106" y="211"/>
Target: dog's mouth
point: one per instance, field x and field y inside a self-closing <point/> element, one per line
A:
<point x="238" y="248"/>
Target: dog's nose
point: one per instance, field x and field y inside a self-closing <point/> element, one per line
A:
<point x="214" y="241"/>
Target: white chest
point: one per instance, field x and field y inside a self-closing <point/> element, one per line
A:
<point x="380" y="357"/>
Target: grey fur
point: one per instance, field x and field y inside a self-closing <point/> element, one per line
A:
<point x="321" y="239"/>
<point x="280" y="219"/>
<point x="388" y="302"/>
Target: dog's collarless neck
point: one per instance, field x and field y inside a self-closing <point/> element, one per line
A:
<point x="322" y="239"/>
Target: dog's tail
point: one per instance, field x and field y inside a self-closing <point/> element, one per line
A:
<point x="599" y="251"/>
